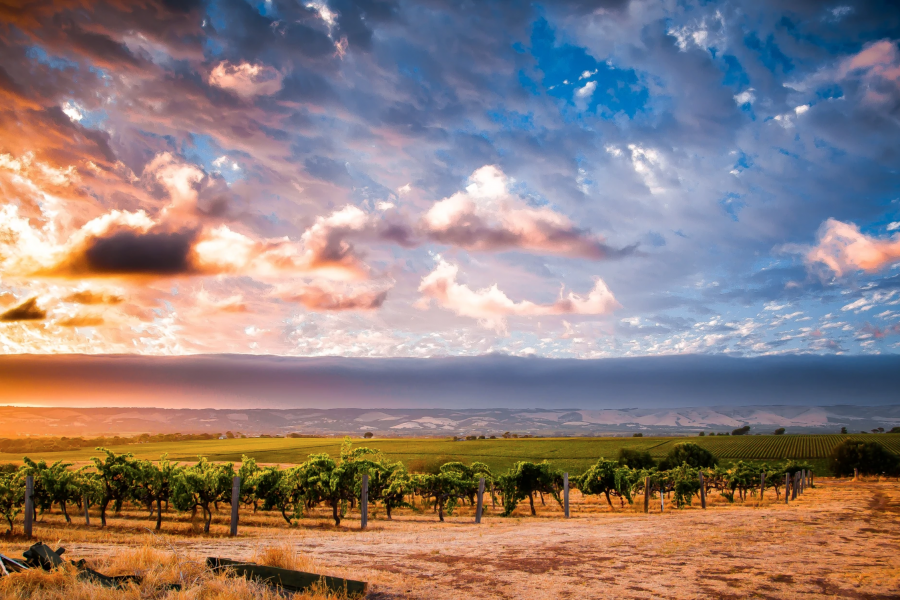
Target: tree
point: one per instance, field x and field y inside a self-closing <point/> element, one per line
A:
<point x="116" y="476"/>
<point x="779" y="431"/>
<point x="153" y="483"/>
<point x="523" y="480"/>
<point x="248" y="472"/>
<point x="741" y="430"/>
<point x="702" y="433"/>
<point x="844" y="430"/>
<point x="202" y="485"/>
<point x="690" y="453"/>
<point x="54" y="484"/>
<point x="685" y="483"/>
<point x="12" y="497"/>
<point x="608" y="477"/>
<point x="894" y="430"/>
<point x="871" y="458"/>
<point x="399" y="484"/>
<point x="444" y="488"/>
<point x="636" y="459"/>
<point x="637" y="435"/>
<point x="278" y="489"/>
<point x="369" y="435"/>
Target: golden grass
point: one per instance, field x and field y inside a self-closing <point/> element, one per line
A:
<point x="158" y="569"/>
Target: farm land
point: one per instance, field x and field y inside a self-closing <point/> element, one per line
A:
<point x="420" y="454"/>
<point x="838" y="539"/>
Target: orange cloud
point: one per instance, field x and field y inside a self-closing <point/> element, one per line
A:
<point x="89" y="297"/>
<point x="317" y="297"/>
<point x="27" y="311"/>
<point x="81" y="321"/>
<point x="843" y="248"/>
<point x="491" y="306"/>
<point x="486" y="216"/>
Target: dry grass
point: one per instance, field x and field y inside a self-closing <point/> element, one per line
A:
<point x="157" y="569"/>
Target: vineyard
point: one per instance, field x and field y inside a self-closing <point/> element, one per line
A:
<point x="574" y="455"/>
<point x="769" y="447"/>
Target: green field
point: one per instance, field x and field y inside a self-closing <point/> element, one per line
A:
<point x="571" y="454"/>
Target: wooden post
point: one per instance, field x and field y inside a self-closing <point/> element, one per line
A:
<point x="566" y="494"/>
<point x="787" y="488"/>
<point x="702" y="492"/>
<point x="855" y="474"/>
<point x="646" y="494"/>
<point x="364" y="502"/>
<point x="29" y="504"/>
<point x="480" y="506"/>
<point x="762" y="486"/>
<point x="662" y="499"/>
<point x="235" y="503"/>
<point x="87" y="515"/>
<point x="810" y="479"/>
<point x="794" y="484"/>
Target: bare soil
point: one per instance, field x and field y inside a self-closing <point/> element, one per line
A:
<point x="839" y="540"/>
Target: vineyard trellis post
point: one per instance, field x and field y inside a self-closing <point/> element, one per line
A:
<point x="364" y="502"/>
<point x="480" y="506"/>
<point x="566" y="494"/>
<point x="87" y="515"/>
<point x="795" y="483"/>
<point x="662" y="499"/>
<point x="29" y="504"/>
<point x="855" y="474"/>
<point x="235" y="503"/>
<point x="646" y="494"/>
<point x="787" y="488"/>
<point x="762" y="486"/>
<point x="810" y="478"/>
<point x="702" y="492"/>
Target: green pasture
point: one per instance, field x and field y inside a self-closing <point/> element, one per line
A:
<point x="571" y="454"/>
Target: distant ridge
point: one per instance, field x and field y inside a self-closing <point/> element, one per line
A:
<point x="18" y="421"/>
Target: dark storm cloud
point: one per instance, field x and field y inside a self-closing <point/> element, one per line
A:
<point x="126" y="252"/>
<point x="488" y="381"/>
<point x="27" y="311"/>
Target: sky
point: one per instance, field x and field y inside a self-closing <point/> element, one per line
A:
<point x="381" y="178"/>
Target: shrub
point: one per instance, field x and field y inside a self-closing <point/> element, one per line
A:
<point x="692" y="454"/>
<point x="871" y="458"/>
<point x="637" y="435"/>
<point x="636" y="459"/>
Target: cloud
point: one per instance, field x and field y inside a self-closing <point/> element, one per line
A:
<point x="584" y="93"/>
<point x="27" y="311"/>
<point x="843" y="249"/>
<point x="491" y="306"/>
<point x="487" y="217"/>
<point x="745" y="97"/>
<point x="878" y="67"/>
<point x="245" y="79"/>
<point x="85" y="320"/>
<point x="89" y="297"/>
<point x="324" y="297"/>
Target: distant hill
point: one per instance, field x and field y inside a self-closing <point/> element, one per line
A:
<point x="71" y="422"/>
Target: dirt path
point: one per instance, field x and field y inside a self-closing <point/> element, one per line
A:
<point x="841" y="540"/>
